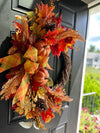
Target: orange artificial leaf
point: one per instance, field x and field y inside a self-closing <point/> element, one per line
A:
<point x="59" y="93"/>
<point x="45" y="12"/>
<point x="22" y="33"/>
<point x="10" y="87"/>
<point x="69" y="33"/>
<point x="37" y="31"/>
<point x="18" y="26"/>
<point x="51" y="102"/>
<point x="24" y="28"/>
<point x="54" y="98"/>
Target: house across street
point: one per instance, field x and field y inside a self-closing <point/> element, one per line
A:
<point x="93" y="59"/>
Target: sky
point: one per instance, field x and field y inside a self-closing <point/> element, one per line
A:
<point x="93" y="37"/>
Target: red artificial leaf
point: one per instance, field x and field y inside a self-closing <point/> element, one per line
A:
<point x="57" y="49"/>
<point x="47" y="115"/>
<point x="17" y="25"/>
<point x="57" y="21"/>
<point x="50" y="37"/>
<point x="35" y="86"/>
<point x="65" y="39"/>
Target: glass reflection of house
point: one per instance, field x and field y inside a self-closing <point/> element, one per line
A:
<point x="93" y="59"/>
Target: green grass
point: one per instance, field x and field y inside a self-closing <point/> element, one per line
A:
<point x="92" y="80"/>
<point x="92" y="84"/>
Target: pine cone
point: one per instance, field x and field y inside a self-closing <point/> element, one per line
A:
<point x="49" y="26"/>
<point x="41" y="104"/>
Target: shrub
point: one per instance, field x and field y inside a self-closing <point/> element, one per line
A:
<point x="92" y="80"/>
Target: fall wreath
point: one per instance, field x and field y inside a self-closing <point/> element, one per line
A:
<point x="28" y="83"/>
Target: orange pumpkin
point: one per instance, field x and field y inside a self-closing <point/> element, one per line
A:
<point x="43" y="48"/>
<point x="41" y="76"/>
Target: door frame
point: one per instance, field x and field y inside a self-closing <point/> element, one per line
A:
<point x="91" y="5"/>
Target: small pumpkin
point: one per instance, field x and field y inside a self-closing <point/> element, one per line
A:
<point x="43" y="48"/>
<point x="41" y="76"/>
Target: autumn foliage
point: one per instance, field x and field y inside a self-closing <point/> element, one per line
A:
<point x="36" y="35"/>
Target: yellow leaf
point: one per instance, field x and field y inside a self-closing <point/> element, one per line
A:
<point x="41" y="92"/>
<point x="48" y="66"/>
<point x="30" y="14"/>
<point x="49" y="82"/>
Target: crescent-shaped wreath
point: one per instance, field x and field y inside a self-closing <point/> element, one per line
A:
<point x="28" y="82"/>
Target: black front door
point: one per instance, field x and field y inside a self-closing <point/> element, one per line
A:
<point x="74" y="15"/>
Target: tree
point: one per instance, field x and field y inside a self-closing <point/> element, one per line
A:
<point x="98" y="50"/>
<point x="92" y="48"/>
